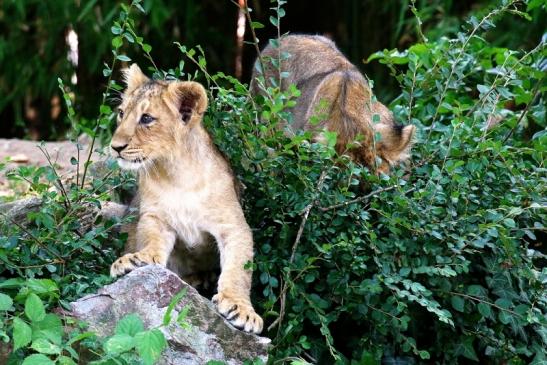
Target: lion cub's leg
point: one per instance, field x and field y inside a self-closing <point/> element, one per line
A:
<point x="152" y="243"/>
<point x="233" y="300"/>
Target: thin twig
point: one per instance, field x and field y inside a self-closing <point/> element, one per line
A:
<point x="278" y="45"/>
<point x="419" y="23"/>
<point x="105" y="96"/>
<point x="486" y="302"/>
<point x="66" y="201"/>
<point x="38" y="242"/>
<point x="360" y="199"/>
<point x="305" y="218"/>
<point x="285" y="287"/>
<point x="78" y="163"/>
<point x="412" y="96"/>
<point x="384" y="313"/>
<point x="255" y="39"/>
<point x="306" y="214"/>
<point x="54" y="262"/>
<point x="457" y="60"/>
<point x="281" y="308"/>
<point x="535" y="92"/>
<point x="506" y="74"/>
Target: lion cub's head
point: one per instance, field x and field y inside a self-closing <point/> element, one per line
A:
<point x="395" y="142"/>
<point x="154" y="118"/>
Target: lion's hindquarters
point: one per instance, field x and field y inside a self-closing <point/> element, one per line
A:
<point x="339" y="105"/>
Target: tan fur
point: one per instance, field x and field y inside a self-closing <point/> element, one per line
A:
<point x="189" y="212"/>
<point x="334" y="93"/>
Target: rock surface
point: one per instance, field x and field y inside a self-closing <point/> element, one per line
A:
<point x="147" y="291"/>
<point x="17" y="211"/>
<point x="26" y="153"/>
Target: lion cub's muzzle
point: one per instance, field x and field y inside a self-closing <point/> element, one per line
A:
<point x="128" y="158"/>
<point x="119" y="148"/>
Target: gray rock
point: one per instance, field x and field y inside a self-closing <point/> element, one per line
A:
<point x="16" y="211"/>
<point x="147" y="291"/>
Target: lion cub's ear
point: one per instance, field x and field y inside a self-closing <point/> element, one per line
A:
<point x="396" y="138"/>
<point x="134" y="78"/>
<point x="395" y="142"/>
<point x="188" y="98"/>
<point x="406" y="138"/>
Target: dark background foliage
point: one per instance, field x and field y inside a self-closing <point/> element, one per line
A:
<point x="441" y="262"/>
<point x="33" y="45"/>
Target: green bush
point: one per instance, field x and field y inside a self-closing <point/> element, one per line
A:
<point x="443" y="261"/>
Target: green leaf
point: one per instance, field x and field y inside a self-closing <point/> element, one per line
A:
<point x="42" y="286"/>
<point x="65" y="360"/>
<point x="5" y="302"/>
<point x="149" y="345"/>
<point x="504" y="303"/>
<point x="458" y="303"/>
<point x="49" y="328"/>
<point x="309" y="278"/>
<point x="117" y="42"/>
<point x="37" y="359"/>
<point x="330" y="137"/>
<point x="437" y="235"/>
<point x="79" y="337"/>
<point x="146" y="48"/>
<point x="118" y="344"/>
<point x="123" y="58"/>
<point x="484" y="310"/>
<point x="130" y="325"/>
<point x="510" y="222"/>
<point x="505" y="317"/>
<point x="476" y="290"/>
<point x="105" y="109"/>
<point x="181" y="318"/>
<point x="139" y="6"/>
<point x="368" y="358"/>
<point x="533" y="4"/>
<point x="115" y="29"/>
<point x="257" y="25"/>
<point x="34" y="308"/>
<point x="12" y="283"/>
<point x="174" y="301"/>
<point x="465" y="349"/>
<point x="129" y="37"/>
<point x="43" y="346"/>
<point x="22" y="334"/>
<point x="483" y="88"/>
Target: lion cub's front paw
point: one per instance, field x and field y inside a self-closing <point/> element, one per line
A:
<point x="239" y="313"/>
<point x="131" y="261"/>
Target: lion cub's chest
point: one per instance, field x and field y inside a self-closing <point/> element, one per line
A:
<point x="184" y="213"/>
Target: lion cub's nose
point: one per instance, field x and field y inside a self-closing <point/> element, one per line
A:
<point x="118" y="148"/>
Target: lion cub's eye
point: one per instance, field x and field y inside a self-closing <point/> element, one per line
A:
<point x="146" y="119"/>
<point x="120" y="113"/>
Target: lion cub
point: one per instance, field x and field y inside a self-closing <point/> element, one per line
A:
<point x="337" y="97"/>
<point x="187" y="197"/>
